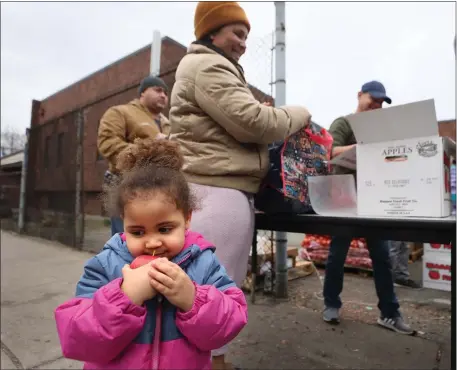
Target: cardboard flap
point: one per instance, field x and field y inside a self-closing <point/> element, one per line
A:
<point x="449" y="146"/>
<point x="395" y="123"/>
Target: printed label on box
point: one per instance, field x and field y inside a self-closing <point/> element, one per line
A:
<point x="437" y="248"/>
<point x="401" y="178"/>
<point x="437" y="273"/>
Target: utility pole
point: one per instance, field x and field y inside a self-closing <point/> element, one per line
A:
<point x="280" y="99"/>
<point x="156" y="49"/>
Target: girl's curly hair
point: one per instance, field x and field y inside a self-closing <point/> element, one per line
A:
<point x="149" y="166"/>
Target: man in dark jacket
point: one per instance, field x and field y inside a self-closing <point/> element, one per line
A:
<point x="372" y="96"/>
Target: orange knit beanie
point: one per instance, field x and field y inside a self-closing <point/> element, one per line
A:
<point x="210" y="16"/>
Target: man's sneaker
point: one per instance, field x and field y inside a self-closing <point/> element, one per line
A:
<point x="407" y="283"/>
<point x="331" y="315"/>
<point x="396" y="324"/>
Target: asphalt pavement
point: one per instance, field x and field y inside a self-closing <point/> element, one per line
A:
<point x="38" y="275"/>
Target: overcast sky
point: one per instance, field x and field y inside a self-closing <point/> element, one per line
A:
<point x="332" y="49"/>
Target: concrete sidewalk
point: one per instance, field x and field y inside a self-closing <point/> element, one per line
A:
<point x="38" y="275"/>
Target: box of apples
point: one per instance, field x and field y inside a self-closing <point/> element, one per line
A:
<point x="317" y="248"/>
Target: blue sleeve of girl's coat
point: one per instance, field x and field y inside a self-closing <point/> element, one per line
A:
<point x="215" y="273"/>
<point x="94" y="277"/>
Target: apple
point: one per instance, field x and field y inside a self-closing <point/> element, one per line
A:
<point x="142" y="260"/>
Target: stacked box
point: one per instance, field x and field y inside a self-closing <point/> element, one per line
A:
<point x="436" y="273"/>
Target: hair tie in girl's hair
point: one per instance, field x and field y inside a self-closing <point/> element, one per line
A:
<point x="146" y="152"/>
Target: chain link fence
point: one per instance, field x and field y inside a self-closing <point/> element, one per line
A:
<point x="298" y="264"/>
<point x="258" y="66"/>
<point x="261" y="269"/>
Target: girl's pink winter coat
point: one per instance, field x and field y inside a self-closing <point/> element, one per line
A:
<point x="103" y="328"/>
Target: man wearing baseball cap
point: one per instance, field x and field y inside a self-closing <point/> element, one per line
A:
<point x="371" y="96"/>
<point x="122" y="124"/>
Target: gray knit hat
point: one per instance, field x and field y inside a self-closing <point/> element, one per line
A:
<point x="152" y="81"/>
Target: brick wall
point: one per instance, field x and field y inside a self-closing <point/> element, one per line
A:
<point x="447" y="128"/>
<point x="126" y="72"/>
<point x="93" y="204"/>
<point x="55" y="155"/>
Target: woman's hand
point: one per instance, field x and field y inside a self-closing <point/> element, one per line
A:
<point x="136" y="284"/>
<point x="169" y="279"/>
<point x="267" y="103"/>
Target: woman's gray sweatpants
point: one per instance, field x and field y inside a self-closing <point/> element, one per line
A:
<point x="399" y="256"/>
<point x="226" y="218"/>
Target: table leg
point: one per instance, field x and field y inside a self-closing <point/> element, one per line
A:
<point x="254" y="266"/>
<point x="281" y="265"/>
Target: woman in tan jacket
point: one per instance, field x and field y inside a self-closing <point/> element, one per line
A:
<point x="224" y="134"/>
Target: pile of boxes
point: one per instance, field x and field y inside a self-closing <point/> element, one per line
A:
<point x="436" y="273"/>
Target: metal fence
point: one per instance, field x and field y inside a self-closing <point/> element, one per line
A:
<point x="64" y="170"/>
<point x="265" y="262"/>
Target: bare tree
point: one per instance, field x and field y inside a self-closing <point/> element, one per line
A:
<point x="11" y="141"/>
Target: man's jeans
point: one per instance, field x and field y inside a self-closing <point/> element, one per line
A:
<point x="399" y="256"/>
<point x="382" y="271"/>
<point x="117" y="225"/>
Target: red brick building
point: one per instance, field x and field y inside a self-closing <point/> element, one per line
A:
<point x="52" y="165"/>
<point x="447" y="128"/>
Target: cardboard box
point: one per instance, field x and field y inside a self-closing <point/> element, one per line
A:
<point x="440" y="249"/>
<point x="402" y="163"/>
<point x="436" y="273"/>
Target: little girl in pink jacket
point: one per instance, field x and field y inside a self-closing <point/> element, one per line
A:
<point x="169" y="313"/>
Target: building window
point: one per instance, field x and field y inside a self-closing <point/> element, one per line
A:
<point x="47" y="144"/>
<point x="60" y="144"/>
